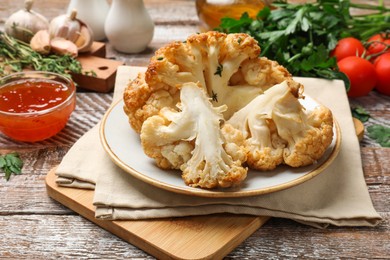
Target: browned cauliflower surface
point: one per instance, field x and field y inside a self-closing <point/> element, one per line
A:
<point x="226" y="66"/>
<point x="278" y="129"/>
<point x="210" y="107"/>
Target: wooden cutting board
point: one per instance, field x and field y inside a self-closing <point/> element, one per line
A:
<point x="98" y="72"/>
<point x="200" y="237"/>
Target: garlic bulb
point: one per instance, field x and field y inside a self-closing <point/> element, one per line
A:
<point x="70" y="28"/>
<point x="23" y="24"/>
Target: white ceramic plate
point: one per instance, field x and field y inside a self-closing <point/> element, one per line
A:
<point x="123" y="146"/>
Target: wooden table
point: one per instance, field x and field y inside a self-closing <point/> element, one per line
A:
<point x="33" y="226"/>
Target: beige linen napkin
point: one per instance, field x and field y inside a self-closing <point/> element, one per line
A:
<point x="338" y="196"/>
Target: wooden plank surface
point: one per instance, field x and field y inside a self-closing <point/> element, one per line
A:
<point x="34" y="226"/>
<point x="177" y="238"/>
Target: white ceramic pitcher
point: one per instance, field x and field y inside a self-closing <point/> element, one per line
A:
<point x="129" y="27"/>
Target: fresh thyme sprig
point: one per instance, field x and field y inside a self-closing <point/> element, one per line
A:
<point x="16" y="55"/>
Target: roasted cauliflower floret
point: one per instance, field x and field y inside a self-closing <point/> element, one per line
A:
<point x="192" y="140"/>
<point x="141" y="101"/>
<point x="279" y="130"/>
<point x="264" y="146"/>
<point x="264" y="72"/>
<point x="307" y="133"/>
<point x="227" y="67"/>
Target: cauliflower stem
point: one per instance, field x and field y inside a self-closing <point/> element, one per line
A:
<point x="198" y="120"/>
<point x="278" y="129"/>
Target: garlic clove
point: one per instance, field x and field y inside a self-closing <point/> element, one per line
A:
<point x="63" y="47"/>
<point x="24" y="23"/>
<point x="62" y="32"/>
<point x="40" y="42"/>
<point x="85" y="39"/>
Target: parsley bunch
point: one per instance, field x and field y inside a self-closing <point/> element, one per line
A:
<point x="11" y="163"/>
<point x="379" y="133"/>
<point x="301" y="36"/>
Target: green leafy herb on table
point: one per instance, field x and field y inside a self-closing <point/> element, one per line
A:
<point x="360" y="113"/>
<point x="16" y="55"/>
<point x="11" y="164"/>
<point x="302" y="36"/>
<point x="380" y="133"/>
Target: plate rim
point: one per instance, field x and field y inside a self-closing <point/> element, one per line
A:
<point x="214" y="193"/>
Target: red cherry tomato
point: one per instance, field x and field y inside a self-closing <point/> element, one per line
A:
<point x="348" y="47"/>
<point x="361" y="74"/>
<point x="382" y="68"/>
<point x="379" y="43"/>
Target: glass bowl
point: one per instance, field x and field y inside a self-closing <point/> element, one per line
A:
<point x="35" y="106"/>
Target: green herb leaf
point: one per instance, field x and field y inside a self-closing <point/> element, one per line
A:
<point x="300" y="37"/>
<point x="219" y="70"/>
<point x="360" y="113"/>
<point x="214" y="96"/>
<point x="234" y="26"/>
<point x="380" y="133"/>
<point x="90" y="73"/>
<point x="11" y="164"/>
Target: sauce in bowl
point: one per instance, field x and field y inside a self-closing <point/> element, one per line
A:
<point x="35" y="105"/>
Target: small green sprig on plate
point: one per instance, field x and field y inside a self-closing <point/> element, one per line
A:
<point x="11" y="164"/>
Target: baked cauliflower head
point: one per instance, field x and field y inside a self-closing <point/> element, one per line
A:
<point x="210" y="107"/>
<point x="226" y="66"/>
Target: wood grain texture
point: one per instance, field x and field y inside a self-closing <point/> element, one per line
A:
<point x="103" y="79"/>
<point x="34" y="226"/>
<point x="177" y="238"/>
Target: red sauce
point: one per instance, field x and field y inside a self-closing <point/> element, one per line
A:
<point x="32" y="96"/>
<point x="27" y="105"/>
